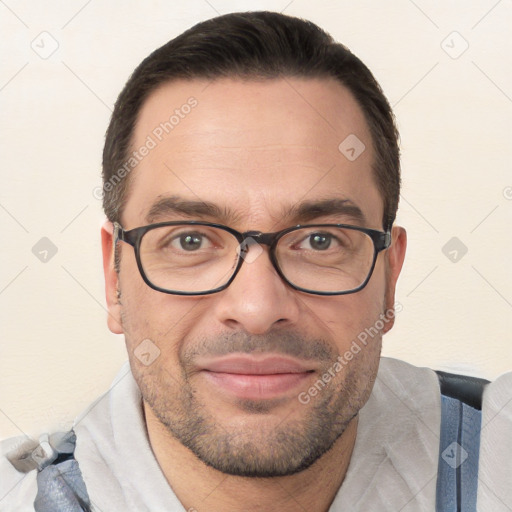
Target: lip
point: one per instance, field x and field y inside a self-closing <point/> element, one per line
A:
<point x="250" y="365"/>
<point x="255" y="378"/>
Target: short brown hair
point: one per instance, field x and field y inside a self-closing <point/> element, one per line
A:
<point x="259" y="45"/>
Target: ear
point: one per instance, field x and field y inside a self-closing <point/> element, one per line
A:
<point x="111" y="279"/>
<point x="395" y="255"/>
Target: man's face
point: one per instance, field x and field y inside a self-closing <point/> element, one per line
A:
<point x="232" y="365"/>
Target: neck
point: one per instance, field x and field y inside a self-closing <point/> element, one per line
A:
<point x="202" y="488"/>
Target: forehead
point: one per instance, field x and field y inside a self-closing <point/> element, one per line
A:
<point x="252" y="147"/>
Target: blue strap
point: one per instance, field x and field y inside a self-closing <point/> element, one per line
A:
<point x="457" y="478"/>
<point x="60" y="486"/>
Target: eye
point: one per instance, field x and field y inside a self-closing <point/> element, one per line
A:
<point x="190" y="242"/>
<point x="318" y="241"/>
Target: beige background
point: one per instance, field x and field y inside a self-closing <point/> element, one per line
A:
<point x="454" y="109"/>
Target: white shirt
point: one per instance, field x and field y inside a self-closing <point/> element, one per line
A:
<point x="393" y="465"/>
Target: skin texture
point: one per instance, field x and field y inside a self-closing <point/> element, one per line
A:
<point x="255" y="149"/>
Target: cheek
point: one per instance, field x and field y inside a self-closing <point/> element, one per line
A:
<point x="156" y="326"/>
<point x="344" y="317"/>
<point x="145" y="312"/>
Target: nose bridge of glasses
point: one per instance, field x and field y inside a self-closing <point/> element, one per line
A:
<point x="257" y="237"/>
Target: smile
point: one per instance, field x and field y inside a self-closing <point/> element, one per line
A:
<point x="256" y="379"/>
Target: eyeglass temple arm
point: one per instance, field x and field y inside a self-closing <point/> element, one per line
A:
<point x="118" y="234"/>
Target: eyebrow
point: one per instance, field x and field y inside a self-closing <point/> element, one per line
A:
<point x="305" y="211"/>
<point x="175" y="205"/>
<point x="311" y="210"/>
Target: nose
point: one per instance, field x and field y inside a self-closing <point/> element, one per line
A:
<point x="257" y="300"/>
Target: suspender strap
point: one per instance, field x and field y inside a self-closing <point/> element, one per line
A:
<point x="457" y="478"/>
<point x="60" y="486"/>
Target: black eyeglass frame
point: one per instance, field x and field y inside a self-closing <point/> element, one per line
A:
<point x="381" y="241"/>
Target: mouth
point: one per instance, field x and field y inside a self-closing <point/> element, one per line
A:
<point x="252" y="378"/>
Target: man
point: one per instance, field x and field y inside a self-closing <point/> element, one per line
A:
<point x="251" y="180"/>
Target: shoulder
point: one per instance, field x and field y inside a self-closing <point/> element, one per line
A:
<point x="496" y="450"/>
<point x="42" y="474"/>
<point x="407" y="381"/>
<point x="18" y="486"/>
<point x="405" y="397"/>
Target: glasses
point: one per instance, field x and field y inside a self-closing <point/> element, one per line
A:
<point x="200" y="258"/>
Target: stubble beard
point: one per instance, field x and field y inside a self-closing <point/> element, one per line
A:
<point x="270" y="448"/>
